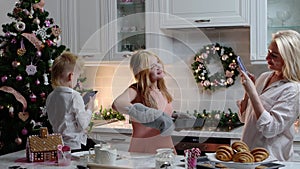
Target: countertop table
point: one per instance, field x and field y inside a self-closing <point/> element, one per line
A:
<point x="146" y="162"/>
<point x="126" y="160"/>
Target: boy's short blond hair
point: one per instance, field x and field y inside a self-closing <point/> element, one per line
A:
<point x="64" y="64"/>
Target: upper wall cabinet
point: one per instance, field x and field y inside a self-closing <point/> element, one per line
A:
<point x="204" y="13"/>
<point x="84" y="26"/>
<point x="268" y="17"/>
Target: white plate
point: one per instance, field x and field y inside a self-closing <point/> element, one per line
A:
<point x="82" y="153"/>
<point x="231" y="164"/>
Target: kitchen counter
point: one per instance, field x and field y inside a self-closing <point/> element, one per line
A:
<point x="123" y="127"/>
<point x="119" y="134"/>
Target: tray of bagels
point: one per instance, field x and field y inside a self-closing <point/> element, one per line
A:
<point x="238" y="155"/>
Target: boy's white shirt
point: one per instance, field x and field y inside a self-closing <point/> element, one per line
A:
<point x="68" y="116"/>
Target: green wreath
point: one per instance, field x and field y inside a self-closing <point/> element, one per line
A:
<point x="212" y="53"/>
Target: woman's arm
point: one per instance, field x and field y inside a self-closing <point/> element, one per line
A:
<point x="251" y="92"/>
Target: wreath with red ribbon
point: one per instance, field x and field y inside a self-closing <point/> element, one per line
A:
<point x="208" y="54"/>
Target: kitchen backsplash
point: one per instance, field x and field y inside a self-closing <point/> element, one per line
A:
<point x="111" y="79"/>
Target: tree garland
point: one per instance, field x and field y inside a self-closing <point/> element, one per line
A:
<point x="211" y="53"/>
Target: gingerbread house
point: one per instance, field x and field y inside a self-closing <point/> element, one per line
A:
<point x="43" y="147"/>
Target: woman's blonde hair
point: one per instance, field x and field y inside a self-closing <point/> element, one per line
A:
<point x="139" y="64"/>
<point x="288" y="43"/>
<point x="62" y="65"/>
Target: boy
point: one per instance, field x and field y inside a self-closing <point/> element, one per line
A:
<point x="65" y="107"/>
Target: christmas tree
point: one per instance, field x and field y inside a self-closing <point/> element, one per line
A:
<point x="28" y="47"/>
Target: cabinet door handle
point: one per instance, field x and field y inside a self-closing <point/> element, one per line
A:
<point x="118" y="139"/>
<point x="202" y="20"/>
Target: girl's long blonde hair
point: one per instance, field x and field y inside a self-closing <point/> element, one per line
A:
<point x="139" y="64"/>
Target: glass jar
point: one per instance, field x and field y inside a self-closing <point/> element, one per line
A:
<point x="164" y="158"/>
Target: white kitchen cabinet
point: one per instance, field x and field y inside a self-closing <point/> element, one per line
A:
<point x="204" y="13"/>
<point x="131" y="24"/>
<point x="265" y="20"/>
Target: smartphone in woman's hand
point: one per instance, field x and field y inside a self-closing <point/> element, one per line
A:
<point x="86" y="97"/>
<point x="241" y="64"/>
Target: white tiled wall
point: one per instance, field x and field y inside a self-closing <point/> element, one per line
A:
<point x="111" y="79"/>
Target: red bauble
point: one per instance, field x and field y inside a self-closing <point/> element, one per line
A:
<point x="43" y="95"/>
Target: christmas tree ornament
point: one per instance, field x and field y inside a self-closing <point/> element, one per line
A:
<point x="1" y="107"/>
<point x="11" y="109"/>
<point x="45" y="79"/>
<point x="47" y="23"/>
<point x="15" y="64"/>
<point x="49" y="42"/>
<point x="56" y="31"/>
<point x="38" y="53"/>
<point x="7" y="34"/>
<point x="36" y="21"/>
<point x="19" y="78"/>
<point x="57" y="40"/>
<point x="50" y="62"/>
<point x="28" y="85"/>
<point x="18" y="141"/>
<point x="35" y="124"/>
<point x="43" y="95"/>
<point x="32" y="97"/>
<point x="37" y="82"/>
<point x="21" y="51"/>
<point x="23" y="116"/>
<point x="16" y="11"/>
<point x="20" y="26"/>
<point x="31" y="69"/>
<point x="4" y="78"/>
<point x="26" y="12"/>
<point x="42" y="32"/>
<point x="34" y="40"/>
<point x="24" y="131"/>
<point x="39" y="5"/>
<point x="31" y="13"/>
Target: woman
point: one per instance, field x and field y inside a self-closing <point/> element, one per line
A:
<point x="271" y="105"/>
<point x="148" y="103"/>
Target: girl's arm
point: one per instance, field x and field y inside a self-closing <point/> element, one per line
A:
<point x="123" y="101"/>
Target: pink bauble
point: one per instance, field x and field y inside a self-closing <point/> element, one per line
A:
<point x="3" y="78"/>
<point x="38" y="53"/>
<point x="15" y="64"/>
<point x="32" y="97"/>
<point x="24" y="131"/>
<point x="19" y="78"/>
<point x="37" y="82"/>
<point x="18" y="140"/>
